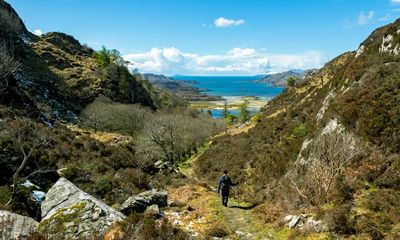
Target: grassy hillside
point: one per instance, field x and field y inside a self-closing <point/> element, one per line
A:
<point x="67" y="110"/>
<point x="327" y="146"/>
<point x="58" y="76"/>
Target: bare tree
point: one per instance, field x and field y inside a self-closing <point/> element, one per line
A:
<point x="326" y="157"/>
<point x="165" y="131"/>
<point x="177" y="136"/>
<point x="94" y="115"/>
<point x="28" y="138"/>
<point x="8" y="66"/>
<point x="103" y="114"/>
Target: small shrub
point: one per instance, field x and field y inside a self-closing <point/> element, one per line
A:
<point x="291" y="81"/>
<point x="142" y="227"/>
<point x="338" y="219"/>
<point x="299" y="131"/>
<point x="269" y="213"/>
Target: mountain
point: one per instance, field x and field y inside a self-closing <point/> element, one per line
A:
<point x="280" y="79"/>
<point x="57" y="76"/>
<point x="322" y="161"/>
<point x="327" y="147"/>
<point x="69" y="111"/>
<point x="183" y="89"/>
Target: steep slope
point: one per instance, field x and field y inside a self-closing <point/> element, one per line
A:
<point x="329" y="143"/>
<point x="56" y="75"/>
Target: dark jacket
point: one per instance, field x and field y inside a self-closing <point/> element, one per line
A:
<point x="224" y="185"/>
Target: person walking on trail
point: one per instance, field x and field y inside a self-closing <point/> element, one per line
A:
<point x="224" y="186"/>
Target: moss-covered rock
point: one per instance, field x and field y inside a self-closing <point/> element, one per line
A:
<point x="70" y="212"/>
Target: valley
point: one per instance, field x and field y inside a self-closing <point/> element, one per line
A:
<point x="90" y="148"/>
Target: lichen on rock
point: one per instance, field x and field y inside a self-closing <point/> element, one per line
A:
<point x="14" y="226"/>
<point x="68" y="211"/>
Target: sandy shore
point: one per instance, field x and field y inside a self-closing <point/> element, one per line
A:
<point x="232" y="102"/>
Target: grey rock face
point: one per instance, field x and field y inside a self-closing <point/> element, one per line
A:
<point x="68" y="211"/>
<point x="139" y="203"/>
<point x="14" y="226"/>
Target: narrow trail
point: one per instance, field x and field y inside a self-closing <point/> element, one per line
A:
<point x="197" y="209"/>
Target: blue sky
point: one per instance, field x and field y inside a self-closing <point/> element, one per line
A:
<point x="214" y="37"/>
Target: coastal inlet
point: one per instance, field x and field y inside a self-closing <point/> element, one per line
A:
<point x="232" y="90"/>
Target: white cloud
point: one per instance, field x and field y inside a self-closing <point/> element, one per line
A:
<point x="224" y="22"/>
<point x="365" y="18"/>
<point x="38" y="32"/>
<point x="237" y="61"/>
<point x="395" y="1"/>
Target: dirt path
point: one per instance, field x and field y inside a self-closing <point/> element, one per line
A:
<point x="197" y="208"/>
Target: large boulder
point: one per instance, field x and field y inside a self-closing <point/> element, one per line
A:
<point x="140" y="202"/>
<point x="14" y="226"/>
<point x="68" y="211"/>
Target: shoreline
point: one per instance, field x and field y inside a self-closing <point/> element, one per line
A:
<point x="233" y="102"/>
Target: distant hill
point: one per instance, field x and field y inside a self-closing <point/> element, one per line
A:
<point x="182" y="88"/>
<point x="279" y="79"/>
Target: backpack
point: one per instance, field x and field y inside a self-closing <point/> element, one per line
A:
<point x="225" y="183"/>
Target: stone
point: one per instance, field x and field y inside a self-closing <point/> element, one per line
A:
<point x="140" y="202"/>
<point x="31" y="198"/>
<point x="153" y="210"/>
<point x="317" y="225"/>
<point x="288" y="218"/>
<point x="158" y="163"/>
<point x="14" y="226"/>
<point x="162" y="165"/>
<point x="38" y="196"/>
<point x="294" y="221"/>
<point x="69" y="212"/>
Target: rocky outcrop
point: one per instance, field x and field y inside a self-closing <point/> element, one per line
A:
<point x="14" y="226"/>
<point x="304" y="221"/>
<point x="68" y="211"/>
<point x="10" y="22"/>
<point x="55" y="75"/>
<point x="139" y="203"/>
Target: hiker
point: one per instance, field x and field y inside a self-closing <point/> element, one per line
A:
<point x="224" y="185"/>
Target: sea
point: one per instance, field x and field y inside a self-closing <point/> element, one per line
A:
<point x="231" y="87"/>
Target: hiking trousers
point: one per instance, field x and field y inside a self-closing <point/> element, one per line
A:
<point x="225" y="199"/>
